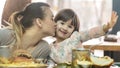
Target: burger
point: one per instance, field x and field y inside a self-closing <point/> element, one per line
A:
<point x="22" y="59"/>
<point x="22" y="56"/>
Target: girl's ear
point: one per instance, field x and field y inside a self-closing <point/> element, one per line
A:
<point x="39" y="22"/>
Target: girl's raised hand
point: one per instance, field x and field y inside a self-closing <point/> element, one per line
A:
<point x="112" y="22"/>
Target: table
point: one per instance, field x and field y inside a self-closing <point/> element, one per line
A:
<point x="102" y="45"/>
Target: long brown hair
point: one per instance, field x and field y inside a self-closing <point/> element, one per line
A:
<point x="22" y="20"/>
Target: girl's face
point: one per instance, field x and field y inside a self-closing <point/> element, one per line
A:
<point x="64" y="29"/>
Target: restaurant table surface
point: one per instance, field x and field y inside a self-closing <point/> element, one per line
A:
<point x="98" y="44"/>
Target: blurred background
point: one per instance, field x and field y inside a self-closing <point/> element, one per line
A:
<point x="90" y="12"/>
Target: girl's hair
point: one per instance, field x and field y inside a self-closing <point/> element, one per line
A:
<point x="24" y="19"/>
<point x="67" y="14"/>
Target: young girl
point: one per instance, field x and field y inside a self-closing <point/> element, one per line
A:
<point x="68" y="35"/>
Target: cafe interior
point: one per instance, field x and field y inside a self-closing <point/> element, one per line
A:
<point x="99" y="14"/>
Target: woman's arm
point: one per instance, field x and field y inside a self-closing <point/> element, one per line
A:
<point x="6" y="36"/>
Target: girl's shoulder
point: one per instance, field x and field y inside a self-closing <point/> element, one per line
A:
<point x="75" y="34"/>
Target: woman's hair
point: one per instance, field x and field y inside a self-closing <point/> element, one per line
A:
<point x="22" y="20"/>
<point x="67" y="14"/>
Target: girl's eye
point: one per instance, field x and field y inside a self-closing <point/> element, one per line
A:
<point x="70" y="26"/>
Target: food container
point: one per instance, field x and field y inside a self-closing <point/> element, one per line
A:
<point x="63" y="65"/>
<point x="85" y="64"/>
<point x="79" y="55"/>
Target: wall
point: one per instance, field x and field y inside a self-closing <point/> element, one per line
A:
<point x="115" y="54"/>
<point x="116" y="7"/>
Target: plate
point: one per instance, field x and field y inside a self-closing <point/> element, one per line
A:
<point x="20" y="65"/>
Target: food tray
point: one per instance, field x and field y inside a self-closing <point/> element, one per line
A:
<point x="23" y="66"/>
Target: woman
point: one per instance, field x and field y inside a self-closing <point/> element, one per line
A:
<point x="28" y="28"/>
<point x="69" y="37"/>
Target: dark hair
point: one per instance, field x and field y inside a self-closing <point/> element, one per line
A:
<point x="22" y="20"/>
<point x="67" y="14"/>
<point x="34" y="10"/>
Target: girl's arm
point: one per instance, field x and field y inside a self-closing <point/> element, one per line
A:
<point x="112" y="22"/>
<point x="99" y="31"/>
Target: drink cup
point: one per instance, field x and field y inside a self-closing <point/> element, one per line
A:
<point x="78" y="56"/>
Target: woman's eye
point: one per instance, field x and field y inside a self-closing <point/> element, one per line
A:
<point x="52" y="19"/>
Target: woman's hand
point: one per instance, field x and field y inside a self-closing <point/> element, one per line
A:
<point x="112" y="22"/>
